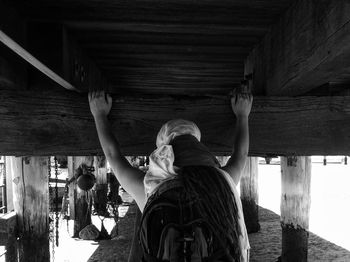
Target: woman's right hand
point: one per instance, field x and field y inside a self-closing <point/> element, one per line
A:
<point x="100" y="103"/>
<point x="241" y="104"/>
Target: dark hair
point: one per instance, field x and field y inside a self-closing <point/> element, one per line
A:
<point x="216" y="204"/>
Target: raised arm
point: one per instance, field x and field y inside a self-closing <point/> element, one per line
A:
<point x="130" y="178"/>
<point x="241" y="106"/>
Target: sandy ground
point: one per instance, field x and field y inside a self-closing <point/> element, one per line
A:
<point x="328" y="219"/>
<point x="265" y="245"/>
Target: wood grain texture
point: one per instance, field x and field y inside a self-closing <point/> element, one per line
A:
<point x="307" y="48"/>
<point x="59" y="123"/>
<point x="295" y="206"/>
<point x="198" y="39"/>
<point x="31" y="203"/>
<point x="249" y="194"/>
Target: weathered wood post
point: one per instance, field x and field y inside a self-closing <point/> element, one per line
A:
<point x="250" y="195"/>
<point x="79" y="200"/>
<point x="135" y="254"/>
<point x="101" y="186"/>
<point x="31" y="203"/>
<point x="295" y="207"/>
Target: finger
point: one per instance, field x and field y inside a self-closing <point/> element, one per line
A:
<point x="236" y="98"/>
<point x="89" y="96"/>
<point x="109" y="99"/>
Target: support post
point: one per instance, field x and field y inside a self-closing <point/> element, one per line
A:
<point x="31" y="203"/>
<point x="79" y="200"/>
<point x="250" y="195"/>
<point x="101" y="186"/>
<point x="295" y="207"/>
<point x="135" y="254"/>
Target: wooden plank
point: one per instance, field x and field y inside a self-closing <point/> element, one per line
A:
<point x="188" y="29"/>
<point x="58" y="122"/>
<point x="31" y="202"/>
<point x="295" y="207"/>
<point x="188" y="12"/>
<point x="308" y="47"/>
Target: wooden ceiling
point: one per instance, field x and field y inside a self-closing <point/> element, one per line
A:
<point x="164" y="47"/>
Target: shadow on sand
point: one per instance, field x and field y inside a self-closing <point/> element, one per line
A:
<point x="266" y="244"/>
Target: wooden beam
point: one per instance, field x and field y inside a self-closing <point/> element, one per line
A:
<point x="58" y="122"/>
<point x="308" y="47"/>
<point x="31" y="202"/>
<point x="250" y="195"/>
<point x="295" y="207"/>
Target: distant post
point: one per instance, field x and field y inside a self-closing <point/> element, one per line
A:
<point x="79" y="200"/>
<point x="295" y="207"/>
<point x="250" y="195"/>
<point x="101" y="186"/>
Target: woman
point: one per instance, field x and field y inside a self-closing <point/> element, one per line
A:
<point x="199" y="214"/>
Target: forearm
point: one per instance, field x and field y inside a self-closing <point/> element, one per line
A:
<point x="241" y="142"/>
<point x="109" y="143"/>
<point x="238" y="158"/>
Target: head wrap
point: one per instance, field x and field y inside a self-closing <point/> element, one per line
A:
<point x="174" y="128"/>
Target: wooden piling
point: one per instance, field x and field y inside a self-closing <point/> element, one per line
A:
<point x="295" y="207"/>
<point x="249" y="195"/>
<point x="79" y="200"/>
<point x="101" y="186"/>
<point x="31" y="203"/>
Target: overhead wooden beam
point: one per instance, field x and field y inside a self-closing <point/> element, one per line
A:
<point x="308" y="47"/>
<point x="59" y="122"/>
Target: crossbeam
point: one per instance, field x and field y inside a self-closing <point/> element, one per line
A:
<point x="59" y="122"/>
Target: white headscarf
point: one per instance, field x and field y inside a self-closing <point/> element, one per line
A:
<point x="161" y="160"/>
<point x="174" y="128"/>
